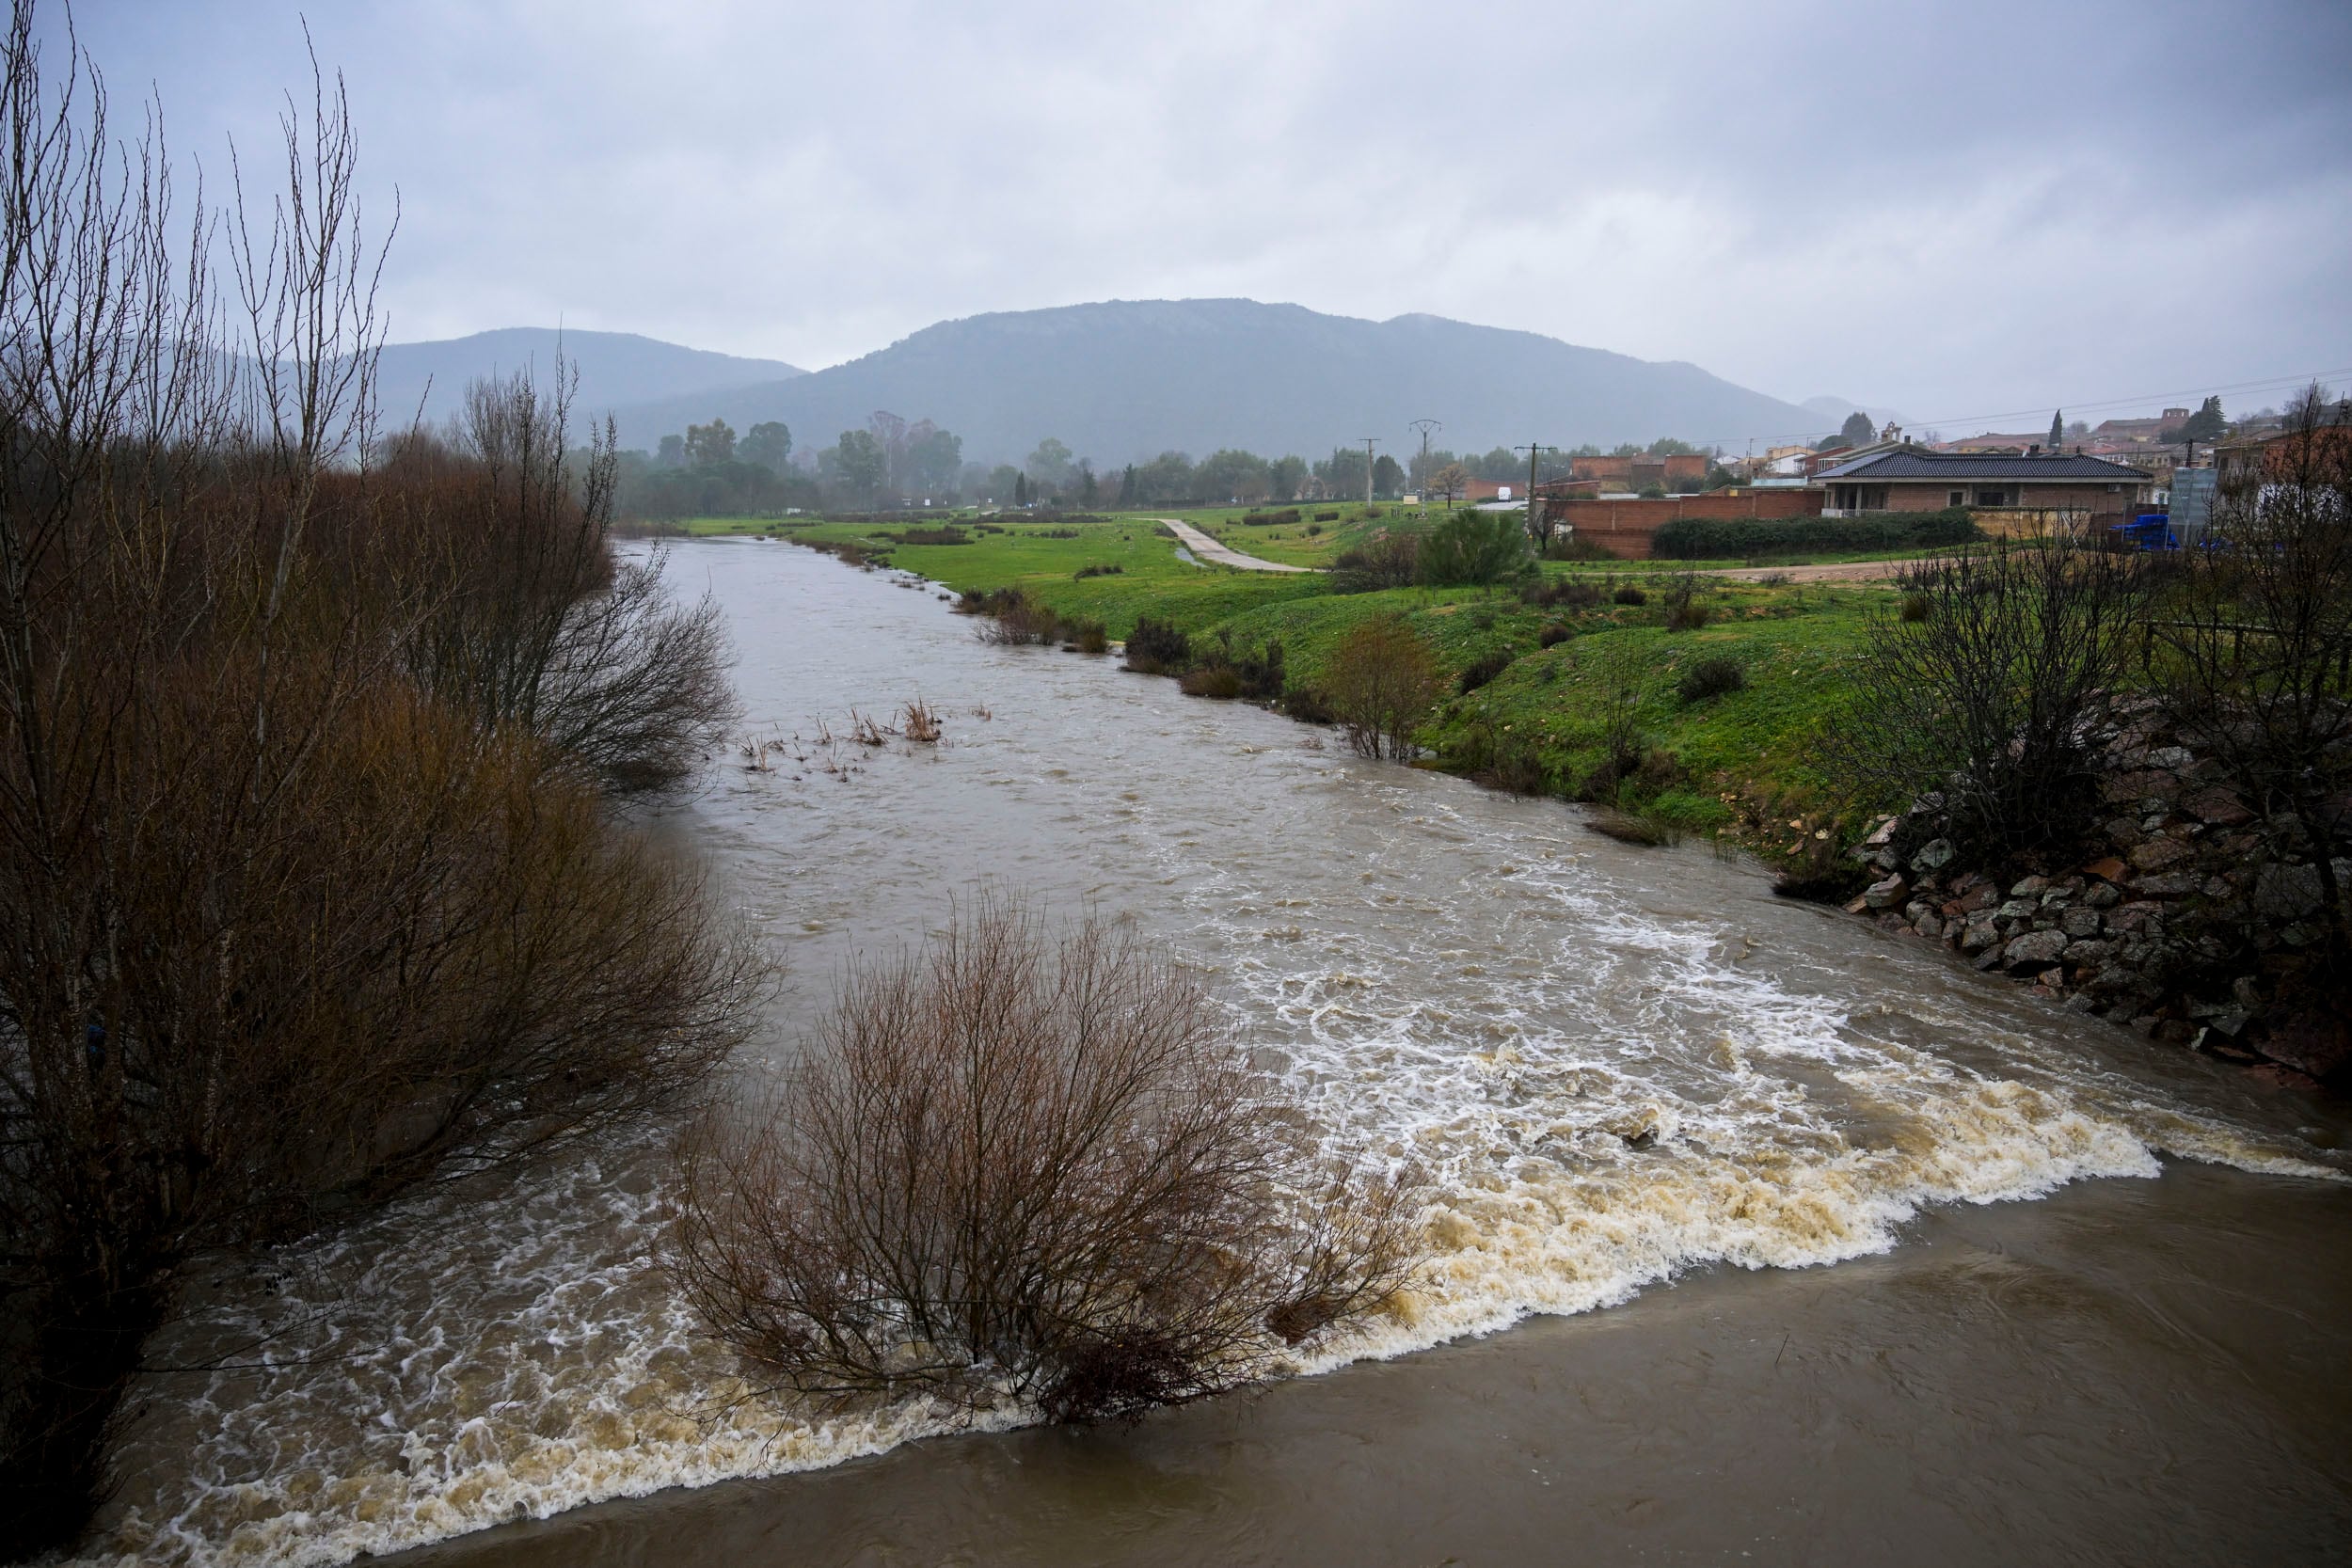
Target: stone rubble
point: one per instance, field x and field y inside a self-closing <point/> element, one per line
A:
<point x="2184" y="914"/>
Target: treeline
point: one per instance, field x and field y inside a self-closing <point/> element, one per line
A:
<point x="311" y="886"/>
<point x="707" y="472"/>
<point x="892" y="464"/>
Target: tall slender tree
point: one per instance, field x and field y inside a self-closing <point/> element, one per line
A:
<point x="2058" y="430"/>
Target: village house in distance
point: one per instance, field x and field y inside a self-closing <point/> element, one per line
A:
<point x="1915" y="479"/>
<point x="2008" y="490"/>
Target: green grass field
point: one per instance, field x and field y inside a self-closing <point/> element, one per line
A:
<point x="1742" y="764"/>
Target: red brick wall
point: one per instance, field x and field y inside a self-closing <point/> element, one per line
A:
<point x="1622" y="528"/>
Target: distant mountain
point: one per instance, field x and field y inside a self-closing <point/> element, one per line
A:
<point x="615" y="369"/>
<point x="1836" y="411"/>
<point x="1124" y="381"/>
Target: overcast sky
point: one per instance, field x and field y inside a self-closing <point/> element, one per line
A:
<point x="1955" y="211"/>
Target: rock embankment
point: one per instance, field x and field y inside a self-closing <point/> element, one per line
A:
<point x="2184" y="914"/>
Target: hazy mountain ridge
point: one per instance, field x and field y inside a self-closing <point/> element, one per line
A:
<point x="615" y="369"/>
<point x="1121" y="381"/>
<point x="1836" y="411"/>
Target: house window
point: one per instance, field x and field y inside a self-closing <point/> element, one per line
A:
<point x="1992" y="497"/>
<point x="1958" y="498"/>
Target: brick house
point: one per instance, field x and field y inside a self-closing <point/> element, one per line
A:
<point x="1913" y="479"/>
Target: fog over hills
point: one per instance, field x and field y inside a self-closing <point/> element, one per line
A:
<point x="1122" y="381"/>
<point x="615" y="368"/>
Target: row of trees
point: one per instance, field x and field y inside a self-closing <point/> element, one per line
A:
<point x="312" y="890"/>
<point x="707" y="472"/>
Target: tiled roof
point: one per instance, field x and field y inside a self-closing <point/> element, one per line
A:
<point x="1968" y="465"/>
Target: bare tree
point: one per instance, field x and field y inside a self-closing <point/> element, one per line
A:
<point x="1027" y="1168"/>
<point x="536" y="623"/>
<point x="2252" y="644"/>
<point x="1983" y="688"/>
<point x="1382" y="684"/>
<point x="281" y="932"/>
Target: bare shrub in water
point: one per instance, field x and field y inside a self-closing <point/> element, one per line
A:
<point x="1022" y="1166"/>
<point x="1382" y="684"/>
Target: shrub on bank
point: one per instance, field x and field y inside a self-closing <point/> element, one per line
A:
<point x="1484" y="669"/>
<point x="1211" y="680"/>
<point x="1473" y="548"/>
<point x="1711" y="677"/>
<point x="1158" y="648"/>
<point x="1382" y="684"/>
<point x="1389" y="558"/>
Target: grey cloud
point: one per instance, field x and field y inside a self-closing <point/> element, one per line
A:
<point x="1949" y="208"/>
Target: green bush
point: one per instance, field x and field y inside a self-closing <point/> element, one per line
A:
<point x="1215" y="680"/>
<point x="1474" y="548"/>
<point x="1484" y="669"/>
<point x="1743" y="538"/>
<point x="1712" y="677"/>
<point x="1158" y="648"/>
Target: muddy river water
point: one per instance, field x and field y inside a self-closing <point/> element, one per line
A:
<point x="1812" y="1246"/>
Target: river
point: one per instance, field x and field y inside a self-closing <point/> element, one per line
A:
<point x="1819" y="1246"/>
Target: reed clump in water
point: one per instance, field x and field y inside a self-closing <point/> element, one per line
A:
<point x="1033" y="1167"/>
<point x="919" y="721"/>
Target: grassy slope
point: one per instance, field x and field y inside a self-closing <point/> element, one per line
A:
<point x="1746" y="759"/>
<point x="1151" y="578"/>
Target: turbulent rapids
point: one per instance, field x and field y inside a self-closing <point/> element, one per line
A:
<point x="1614" y="1066"/>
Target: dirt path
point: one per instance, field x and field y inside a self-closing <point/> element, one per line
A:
<point x="1209" y="550"/>
<point x="1842" y="571"/>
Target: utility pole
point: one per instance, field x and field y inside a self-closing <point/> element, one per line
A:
<point x="1369" y="440"/>
<point x="1533" y="450"/>
<point x="1425" y="426"/>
